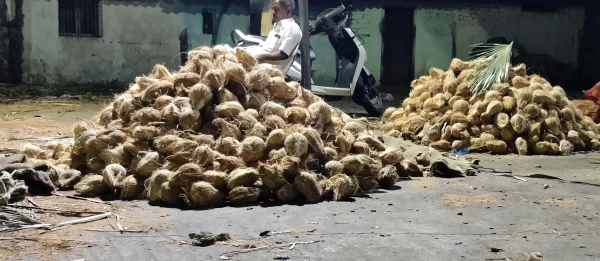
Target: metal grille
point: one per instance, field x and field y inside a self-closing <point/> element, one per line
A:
<point x="79" y="18"/>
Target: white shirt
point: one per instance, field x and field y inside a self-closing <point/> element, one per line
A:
<point x="285" y="36"/>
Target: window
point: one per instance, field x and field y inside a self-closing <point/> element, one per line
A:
<point x="207" y="22"/>
<point x="79" y="18"/>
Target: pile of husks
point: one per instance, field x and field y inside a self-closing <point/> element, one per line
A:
<point x="524" y="115"/>
<point x="221" y="129"/>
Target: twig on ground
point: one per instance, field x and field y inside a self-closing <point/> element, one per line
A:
<point x="113" y="231"/>
<point x="291" y="245"/>
<point x="82" y="198"/>
<point x="57" y="210"/>
<point x="33" y="202"/>
<point x="119" y="223"/>
<point x="82" y="220"/>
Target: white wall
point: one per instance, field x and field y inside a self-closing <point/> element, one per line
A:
<point x="556" y="34"/>
<point x="135" y="37"/>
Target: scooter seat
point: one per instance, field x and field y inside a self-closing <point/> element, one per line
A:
<point x="298" y="53"/>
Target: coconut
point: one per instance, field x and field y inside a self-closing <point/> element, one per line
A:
<point x="113" y="174"/>
<point x="458" y="118"/>
<point x="258" y="130"/>
<point x="228" y="146"/>
<point x="31" y="151"/>
<point x="115" y="155"/>
<point x="459" y="131"/>
<point x="315" y="142"/>
<point x="296" y="144"/>
<point x="253" y="149"/>
<point x="203" y="156"/>
<point x="280" y="90"/>
<point x="244" y="195"/>
<point x="334" y="168"/>
<point x="296" y="115"/>
<point x="542" y="97"/>
<point x="520" y="82"/>
<point x="253" y="113"/>
<point x="343" y="186"/>
<point x="291" y="167"/>
<point x="509" y="103"/>
<point x="144" y="132"/>
<point x="287" y="193"/>
<point x="203" y="194"/>
<point x="492" y="96"/>
<point x="450" y="83"/>
<point x="130" y="188"/>
<point x="242" y="177"/>
<point x="441" y="145"/>
<point x="225" y="95"/>
<point x="189" y="119"/>
<point x="147" y="164"/>
<point x="162" y="101"/>
<point x="531" y="111"/>
<point x="154" y="183"/>
<point x="246" y="120"/>
<point x="523" y="98"/>
<point x="229" y="109"/>
<point x="373" y="142"/>
<point x="276" y="139"/>
<point x="273" y="122"/>
<point x="255" y="100"/>
<point x="508" y="134"/>
<point x="320" y="113"/>
<point x="181" y="151"/>
<point x="361" y="147"/>
<point x="459" y="145"/>
<point x="170" y="115"/>
<point x="227" y="129"/>
<point x="185" y="175"/>
<point x="272" y="108"/>
<point x="155" y="90"/>
<point x="107" y="115"/>
<point x="460" y="106"/>
<point x="502" y="120"/>
<point x="519" y="123"/>
<point x="567" y="114"/>
<point x="200" y="95"/>
<point x="552" y="125"/>
<point x="391" y="156"/>
<point x="521" y="146"/>
<point x="387" y="113"/>
<point x="307" y="184"/>
<point x="186" y="79"/>
<point x="367" y="184"/>
<point x="493" y="108"/>
<point x="497" y="147"/>
<point x="330" y="154"/>
<point x="594" y="145"/>
<point x="169" y="195"/>
<point x="388" y="176"/>
<point x="258" y="79"/>
<point x="80" y="127"/>
<point x="544" y="148"/>
<point x="457" y="65"/>
<point x="91" y="185"/>
<point x="271" y="175"/>
<point x="566" y="147"/>
<point x="214" y="79"/>
<point x="229" y="163"/>
<point x="244" y="58"/>
<point x="535" y="133"/>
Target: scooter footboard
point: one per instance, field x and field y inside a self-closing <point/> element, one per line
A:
<point x="332" y="91"/>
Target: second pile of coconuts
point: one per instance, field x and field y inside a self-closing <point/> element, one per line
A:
<point x="223" y="128"/>
<point x="523" y="115"/>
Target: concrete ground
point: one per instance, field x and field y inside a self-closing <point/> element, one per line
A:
<point x="484" y="217"/>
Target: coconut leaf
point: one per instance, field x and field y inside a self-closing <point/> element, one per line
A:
<point x="496" y="61"/>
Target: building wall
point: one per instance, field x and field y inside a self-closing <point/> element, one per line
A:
<point x="442" y="32"/>
<point x="4" y="41"/>
<point x="136" y="35"/>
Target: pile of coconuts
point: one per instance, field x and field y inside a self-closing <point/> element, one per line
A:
<point x="524" y="114"/>
<point x="223" y="129"/>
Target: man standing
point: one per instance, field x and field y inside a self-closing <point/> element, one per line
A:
<point x="280" y="46"/>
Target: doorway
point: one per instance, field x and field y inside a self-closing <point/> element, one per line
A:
<point x="11" y="38"/>
<point x="398" y="50"/>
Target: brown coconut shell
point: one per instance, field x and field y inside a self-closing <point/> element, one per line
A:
<point x="244" y="195"/>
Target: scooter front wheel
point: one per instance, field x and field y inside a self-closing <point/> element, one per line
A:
<point x="372" y="102"/>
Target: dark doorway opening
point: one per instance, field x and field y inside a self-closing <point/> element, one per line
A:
<point x="11" y="53"/>
<point x="398" y="50"/>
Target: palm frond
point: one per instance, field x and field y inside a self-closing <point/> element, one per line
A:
<point x="496" y="62"/>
